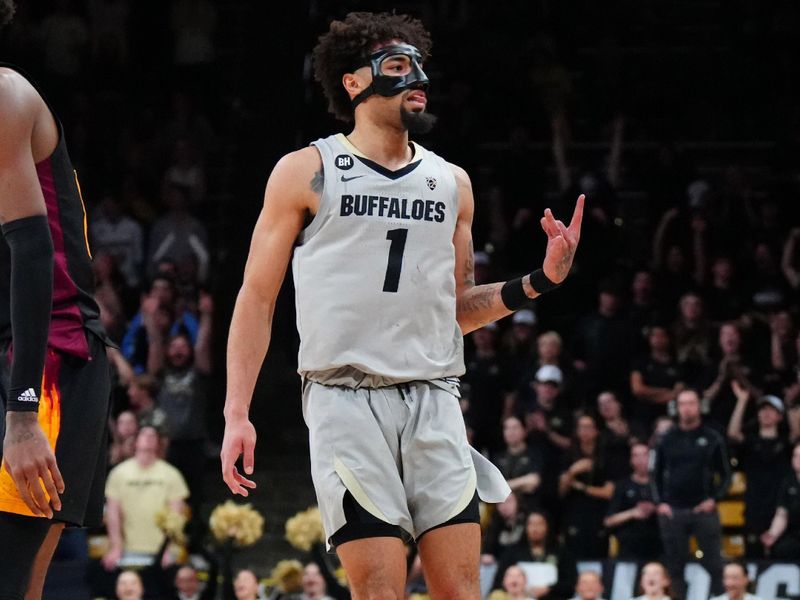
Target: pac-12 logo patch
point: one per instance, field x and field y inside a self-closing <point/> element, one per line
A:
<point x="343" y="161"/>
<point x="431" y="183"/>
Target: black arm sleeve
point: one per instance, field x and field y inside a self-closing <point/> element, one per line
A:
<point x="31" y="250"/>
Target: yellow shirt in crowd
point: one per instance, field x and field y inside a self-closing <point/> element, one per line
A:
<point x="142" y="492"/>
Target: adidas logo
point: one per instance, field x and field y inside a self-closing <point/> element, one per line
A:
<point x="28" y="395"/>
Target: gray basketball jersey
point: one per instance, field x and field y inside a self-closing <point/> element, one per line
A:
<point x="374" y="270"/>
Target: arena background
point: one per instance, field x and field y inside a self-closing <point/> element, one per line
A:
<point x="669" y="93"/>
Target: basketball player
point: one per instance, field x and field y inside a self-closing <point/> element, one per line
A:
<point x="385" y="292"/>
<point x="57" y="394"/>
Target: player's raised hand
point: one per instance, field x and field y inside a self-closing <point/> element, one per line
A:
<point x="239" y="440"/>
<point x="562" y="242"/>
<point x="30" y="461"/>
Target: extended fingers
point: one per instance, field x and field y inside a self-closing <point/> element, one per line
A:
<point x="577" y="217"/>
<point x="548" y="222"/>
<point x="238" y="484"/>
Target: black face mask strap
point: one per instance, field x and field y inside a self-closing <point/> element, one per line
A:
<point x="368" y="91"/>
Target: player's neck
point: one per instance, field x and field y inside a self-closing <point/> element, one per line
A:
<point x="387" y="146"/>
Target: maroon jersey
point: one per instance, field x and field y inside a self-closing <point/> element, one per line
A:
<point x="74" y="309"/>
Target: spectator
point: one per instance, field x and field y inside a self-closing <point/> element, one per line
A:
<point x="246" y="587"/>
<point x="736" y="582"/>
<point x="487" y="394"/>
<point x="643" y="309"/>
<point x="314" y="587"/>
<point x="136" y="490"/>
<point x="782" y="539"/>
<point x="549" y="349"/>
<point x="520" y="465"/>
<point x="602" y="345"/>
<point x="537" y="548"/>
<point x="654" y="582"/>
<point x="515" y="584"/>
<point x="549" y="424"/>
<point x="655" y="379"/>
<point x="589" y="586"/>
<point x="783" y="350"/>
<point x="110" y="292"/>
<point x="691" y="473"/>
<point x="142" y="392"/>
<point x="586" y="490"/>
<point x="632" y="511"/>
<point x="123" y="438"/>
<point x="188" y="586"/>
<point x="506" y="529"/>
<point x="691" y="335"/>
<point x="768" y="288"/>
<point x="119" y="236"/>
<point x="764" y="453"/>
<point x="183" y="397"/>
<point x="160" y="315"/>
<point x="129" y="586"/>
<point x="187" y="171"/>
<point x="718" y="397"/>
<point x="518" y="345"/>
<point x="616" y="435"/>
<point x="545" y="413"/>
<point x="723" y="296"/>
<point x="670" y="263"/>
<point x="179" y="237"/>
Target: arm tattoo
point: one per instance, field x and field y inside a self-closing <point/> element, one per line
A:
<point x="469" y="268"/>
<point x="318" y="181"/>
<point x="20" y="437"/>
<point x="483" y="297"/>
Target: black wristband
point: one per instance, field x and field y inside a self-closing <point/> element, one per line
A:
<point x="513" y="294"/>
<point x="541" y="283"/>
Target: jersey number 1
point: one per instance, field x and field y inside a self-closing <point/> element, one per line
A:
<point x="395" y="264"/>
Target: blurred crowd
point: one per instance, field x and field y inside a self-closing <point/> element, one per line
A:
<point x="625" y="409"/>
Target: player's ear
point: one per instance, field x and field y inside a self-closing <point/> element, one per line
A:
<point x="354" y="83"/>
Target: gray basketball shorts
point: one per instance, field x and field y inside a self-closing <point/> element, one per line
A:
<point x="401" y="451"/>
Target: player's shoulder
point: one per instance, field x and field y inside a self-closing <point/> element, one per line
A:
<point x="18" y="98"/>
<point x="303" y="160"/>
<point x="294" y="170"/>
<point x="460" y="174"/>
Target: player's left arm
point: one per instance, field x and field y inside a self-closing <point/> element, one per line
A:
<point x="27" y="454"/>
<point x="478" y="305"/>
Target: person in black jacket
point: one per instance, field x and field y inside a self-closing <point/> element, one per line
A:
<point x="691" y="473"/>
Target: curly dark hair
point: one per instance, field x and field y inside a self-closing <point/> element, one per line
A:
<point x="7" y="9"/>
<point x="348" y="43"/>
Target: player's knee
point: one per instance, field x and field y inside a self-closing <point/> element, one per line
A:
<point x="465" y="587"/>
<point x="378" y="593"/>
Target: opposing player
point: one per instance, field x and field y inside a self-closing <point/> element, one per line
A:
<point x="385" y="292"/>
<point x="57" y="393"/>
